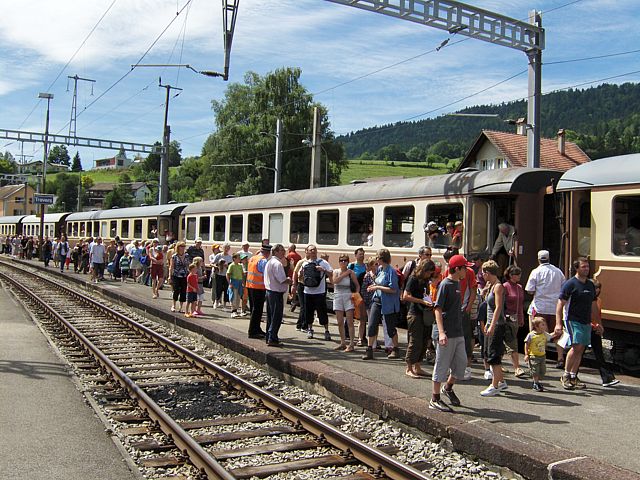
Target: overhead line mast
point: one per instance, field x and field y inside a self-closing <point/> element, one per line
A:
<point x="461" y="19"/>
<point x="229" y="15"/>
<point x="74" y="103"/>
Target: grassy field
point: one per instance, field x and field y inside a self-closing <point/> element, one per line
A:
<point x="98" y="176"/>
<point x="361" y="169"/>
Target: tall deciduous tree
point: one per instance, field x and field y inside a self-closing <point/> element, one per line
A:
<point x="249" y="109"/>
<point x="59" y="155"/>
<point x="7" y="163"/>
<point x="121" y="196"/>
<point x="152" y="162"/>
<point x="76" y="166"/>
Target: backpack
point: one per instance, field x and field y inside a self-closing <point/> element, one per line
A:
<point x="312" y="276"/>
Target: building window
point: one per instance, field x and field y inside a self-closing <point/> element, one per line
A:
<point x="299" y="227"/>
<point x="626" y="226"/>
<point x="328" y="223"/>
<point x="398" y="226"/>
<point x="360" y="225"/>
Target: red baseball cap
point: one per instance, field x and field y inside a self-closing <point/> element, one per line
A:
<point x="459" y="261"/>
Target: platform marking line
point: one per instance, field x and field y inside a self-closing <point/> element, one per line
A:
<point x="560" y="462"/>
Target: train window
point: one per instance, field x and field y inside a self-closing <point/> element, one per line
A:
<point x="360" y="224"/>
<point x="328" y="222"/>
<point x="152" y="229"/>
<point x="137" y="229"/>
<point x="446" y="215"/>
<point x="164" y="228"/>
<point x="96" y="228"/>
<point x="236" y="228"/>
<point x="275" y="228"/>
<point x="191" y="228"/>
<point x="219" y="227"/>
<point x="479" y="226"/>
<point x="255" y="227"/>
<point x="124" y="229"/>
<point x="113" y="228"/>
<point x="626" y="227"/>
<point x="204" y="228"/>
<point x="104" y="232"/>
<point x="398" y="226"/>
<point x="74" y="229"/>
<point x="299" y="227"/>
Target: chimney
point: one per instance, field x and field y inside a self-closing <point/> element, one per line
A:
<point x="561" y="141"/>
<point x="521" y="126"/>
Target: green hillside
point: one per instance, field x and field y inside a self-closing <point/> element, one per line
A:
<point x="359" y="170"/>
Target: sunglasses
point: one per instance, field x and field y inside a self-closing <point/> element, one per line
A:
<point x="343" y="260"/>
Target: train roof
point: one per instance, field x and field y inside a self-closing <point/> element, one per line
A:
<point x="500" y="181"/>
<point x="130" y="212"/>
<point x="11" y="219"/>
<point x="48" y="218"/>
<point x="610" y="171"/>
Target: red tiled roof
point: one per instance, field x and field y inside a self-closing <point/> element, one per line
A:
<point x="514" y="149"/>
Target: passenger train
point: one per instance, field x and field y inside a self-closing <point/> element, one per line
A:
<point x="591" y="210"/>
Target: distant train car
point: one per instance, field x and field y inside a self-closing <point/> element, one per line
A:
<point x="390" y="214"/>
<point x="54" y="225"/>
<point x="126" y="223"/>
<point x="602" y="216"/>
<point x="11" y="225"/>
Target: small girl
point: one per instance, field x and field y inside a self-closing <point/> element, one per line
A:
<point x="192" y="291"/>
<point x="125" y="265"/>
<point x="235" y="277"/>
<point x="535" y="352"/>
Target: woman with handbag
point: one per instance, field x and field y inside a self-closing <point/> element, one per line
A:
<point x="345" y="283"/>
<point x="420" y="316"/>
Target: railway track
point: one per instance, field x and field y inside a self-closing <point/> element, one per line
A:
<point x="178" y="408"/>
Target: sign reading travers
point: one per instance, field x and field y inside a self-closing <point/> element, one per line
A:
<point x="43" y="199"/>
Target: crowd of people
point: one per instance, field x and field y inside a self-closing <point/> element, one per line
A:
<point x="450" y="308"/>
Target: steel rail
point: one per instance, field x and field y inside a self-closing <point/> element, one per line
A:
<point x="187" y="445"/>
<point x="368" y="455"/>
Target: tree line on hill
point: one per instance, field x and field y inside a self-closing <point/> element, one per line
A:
<point x="602" y="120"/>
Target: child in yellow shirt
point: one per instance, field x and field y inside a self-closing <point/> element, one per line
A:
<point x="535" y="351"/>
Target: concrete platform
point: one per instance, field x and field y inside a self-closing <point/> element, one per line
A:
<point x="590" y="434"/>
<point x="47" y="431"/>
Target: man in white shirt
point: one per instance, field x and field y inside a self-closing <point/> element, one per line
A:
<point x="97" y="256"/>
<point x="315" y="290"/>
<point x="545" y="283"/>
<point x="276" y="284"/>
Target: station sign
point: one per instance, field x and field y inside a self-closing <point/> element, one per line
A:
<point x="43" y="199"/>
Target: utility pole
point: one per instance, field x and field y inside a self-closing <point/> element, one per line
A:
<point x="48" y="97"/>
<point x="163" y="189"/>
<point x="79" y="193"/>
<point x="316" y="150"/>
<point x="278" y="163"/>
<point x="534" y="94"/>
<point x="74" y="102"/>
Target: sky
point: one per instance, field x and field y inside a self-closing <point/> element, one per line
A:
<point x="368" y="69"/>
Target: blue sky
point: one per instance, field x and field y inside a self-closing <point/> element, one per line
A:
<point x="333" y="45"/>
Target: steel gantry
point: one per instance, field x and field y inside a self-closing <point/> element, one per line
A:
<point x="462" y="19"/>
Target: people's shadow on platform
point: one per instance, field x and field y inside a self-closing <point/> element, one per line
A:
<point x="33" y="370"/>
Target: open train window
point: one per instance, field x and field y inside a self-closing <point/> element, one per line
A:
<point x="328" y="222"/>
<point x="299" y="227"/>
<point x="255" y="227"/>
<point x="236" y="228"/>
<point x="398" y="226"/>
<point x="152" y="229"/>
<point x="191" y="228"/>
<point x="445" y="215"/>
<point x="113" y="228"/>
<point x="360" y="224"/>
<point x="124" y="229"/>
<point x="626" y="225"/>
<point x="204" y="228"/>
<point x="219" y="227"/>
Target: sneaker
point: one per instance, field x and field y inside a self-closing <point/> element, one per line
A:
<point x="519" y="372"/>
<point x="244" y="314"/>
<point x="310" y="333"/>
<point x="327" y="336"/>
<point x="610" y="382"/>
<point x="488" y="375"/>
<point x="502" y="385"/>
<point x="579" y="385"/>
<point x="538" y="387"/>
<point x="565" y="380"/>
<point x="490" y="391"/>
<point x="439" y="405"/>
<point x="451" y="395"/>
<point x="234" y="315"/>
<point x="466" y="376"/>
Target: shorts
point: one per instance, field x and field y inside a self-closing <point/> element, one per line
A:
<point x="192" y="297"/>
<point x="157" y="270"/>
<point x="538" y="365"/>
<point x="580" y="333"/>
<point x="200" y="297"/>
<point x="451" y="356"/>
<point x="342" y="302"/>
<point x="550" y="318"/>
<point x="511" y="336"/>
<point x="494" y="346"/>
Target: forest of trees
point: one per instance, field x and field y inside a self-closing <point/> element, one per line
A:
<point x="602" y="120"/>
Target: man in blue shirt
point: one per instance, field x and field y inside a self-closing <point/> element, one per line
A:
<point x="576" y="300"/>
